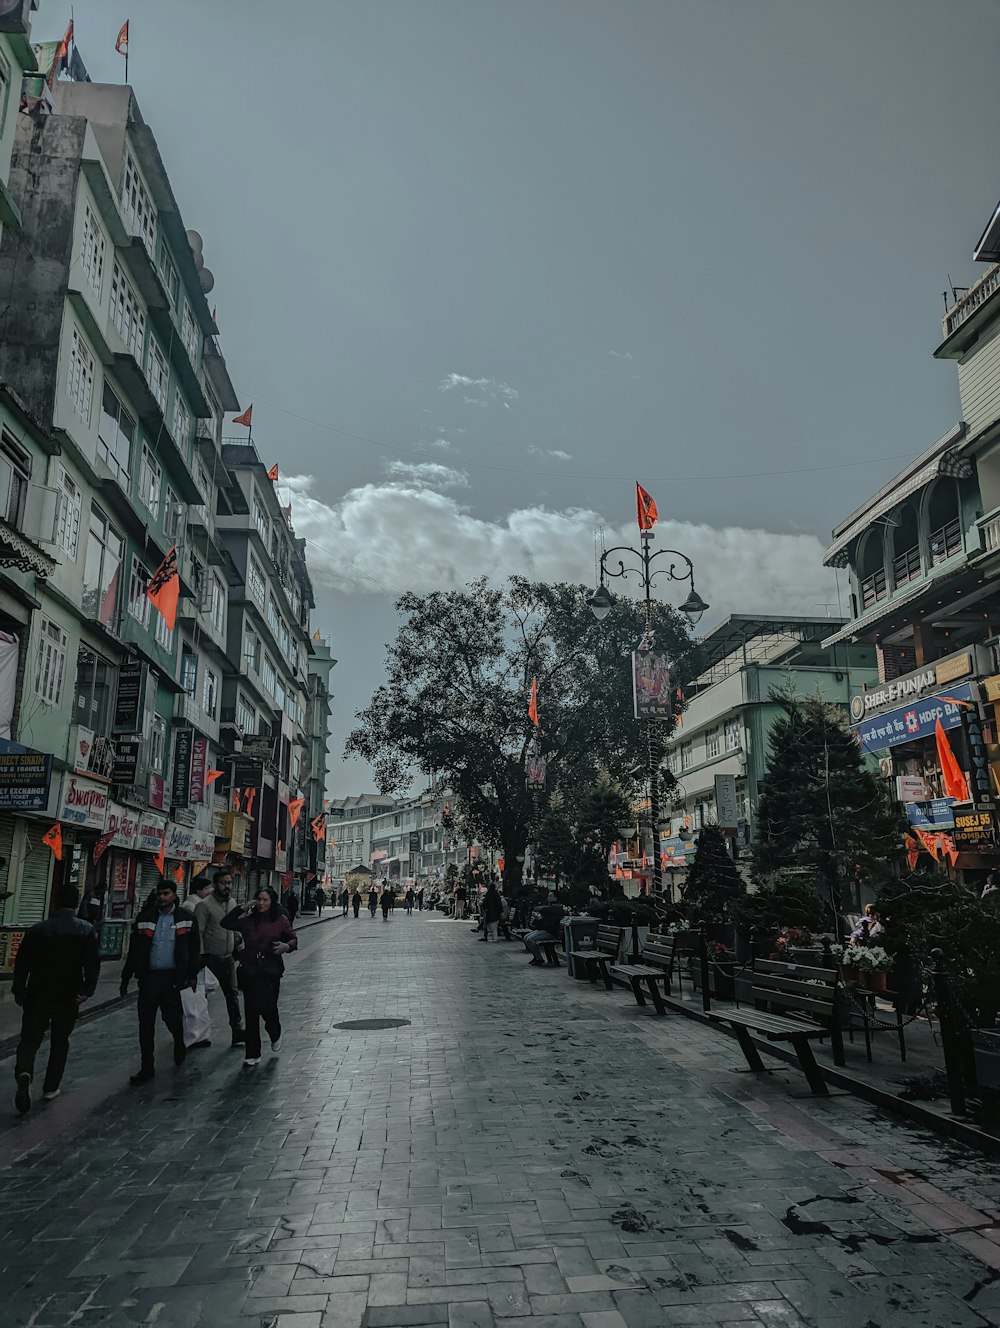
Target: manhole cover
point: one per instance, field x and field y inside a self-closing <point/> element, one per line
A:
<point x="365" y="1024"/>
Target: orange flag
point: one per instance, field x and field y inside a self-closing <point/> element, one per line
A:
<point x="237" y="805"/>
<point x="318" y="824"/>
<point x="246" y="419"/>
<point x="160" y="857"/>
<point x="61" y="58"/>
<point x="53" y="838"/>
<point x="295" y="810"/>
<point x="164" y="589"/>
<point x="121" y="45"/>
<point x="272" y="474"/>
<point x="212" y="775"/>
<point x="178" y="873"/>
<point x="912" y="851"/>
<point x="953" y="778"/>
<point x="533" y="703"/>
<point x="248" y="800"/>
<point x="645" y="508"/>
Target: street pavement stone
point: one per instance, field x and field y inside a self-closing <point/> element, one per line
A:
<point x="526" y="1148"/>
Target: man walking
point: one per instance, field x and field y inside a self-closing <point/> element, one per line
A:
<point x="56" y="970"/>
<point x="165" y="957"/>
<point x="320" y="900"/>
<point x="291" y="906"/>
<point x="218" y="946"/>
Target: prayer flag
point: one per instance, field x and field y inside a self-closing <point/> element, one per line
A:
<point x="533" y="703"/>
<point x="246" y="419"/>
<point x="295" y="810"/>
<point x="645" y="507"/>
<point x="318" y="824"/>
<point x="102" y="845"/>
<point x="121" y="45"/>
<point x="53" y="838"/>
<point x="212" y="775"/>
<point x="164" y="589"/>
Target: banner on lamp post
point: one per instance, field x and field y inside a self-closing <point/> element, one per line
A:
<point x="651" y="695"/>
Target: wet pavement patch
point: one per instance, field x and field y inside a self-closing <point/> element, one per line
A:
<point x="368" y="1025"/>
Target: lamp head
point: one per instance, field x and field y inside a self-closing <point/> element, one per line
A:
<point x="601" y="602"/>
<point x="693" y="607"/>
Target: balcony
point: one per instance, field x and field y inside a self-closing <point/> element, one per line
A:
<point x="873" y="588"/>
<point x="945" y="542"/>
<point x="187" y="710"/>
<point x="906" y="567"/>
<point x="973" y="299"/>
<point x="990" y="528"/>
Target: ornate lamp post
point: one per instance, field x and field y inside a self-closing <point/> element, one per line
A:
<point x="677" y="566"/>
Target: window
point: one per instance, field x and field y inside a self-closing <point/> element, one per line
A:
<point x="268" y="675"/>
<point x="246" y="715"/>
<point x="687" y="755"/>
<point x="279" y="693"/>
<point x="50" y="664"/>
<point x="260" y="517"/>
<point x="137" y="205"/>
<point x="742" y="807"/>
<point x="139" y="605"/>
<point x="172" y="513"/>
<point x="733" y="736"/>
<point x="157" y="374"/>
<point x="164" y="634"/>
<point x="115" y="436"/>
<point x="272" y="614"/>
<point x="68" y="515"/>
<point x="255" y="580"/>
<point x="713" y="742"/>
<point x="15" y="472"/>
<point x="168" y="273"/>
<point x="251" y="650"/>
<point x="94" y="685"/>
<point x="126" y="312"/>
<point x="182" y="422"/>
<point x="189" y="671"/>
<point x="189" y="336"/>
<point x="102" y="571"/>
<point x="157" y="743"/>
<point x="210" y="695"/>
<point x="150" y="478"/>
<point x="80" y="379"/>
<point x="218" y="609"/>
<point x="92" y="255"/>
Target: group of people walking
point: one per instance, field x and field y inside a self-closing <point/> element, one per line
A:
<point x="172" y="946"/>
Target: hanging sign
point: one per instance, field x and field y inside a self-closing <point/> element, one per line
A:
<point x="199" y="764"/>
<point x="25" y="777"/>
<point x="975" y="830"/>
<point x="83" y="802"/>
<point x="651" y="694"/>
<point x="122" y="824"/>
<point x="130" y="701"/>
<point x="183" y="747"/>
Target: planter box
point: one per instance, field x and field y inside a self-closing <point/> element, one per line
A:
<point x="743" y="988"/>
<point x="987" y="1054"/>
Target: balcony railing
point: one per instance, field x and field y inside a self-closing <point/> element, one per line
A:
<point x="973" y="299"/>
<point x="990" y="527"/>
<point x="906" y="567"/>
<point x="945" y="541"/>
<point x="873" y="588"/>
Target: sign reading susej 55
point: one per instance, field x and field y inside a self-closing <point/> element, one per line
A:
<point x="908" y="723"/>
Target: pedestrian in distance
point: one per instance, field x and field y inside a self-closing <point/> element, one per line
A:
<point x="408" y="900"/>
<point x="218" y="947"/>
<point x="356" y="901"/>
<point x="320" y="897"/>
<point x="291" y="906"/>
<point x="459" y="902"/>
<point x="492" y="912"/>
<point x="345" y="900"/>
<point x="392" y="899"/>
<point x="420" y="900"/>
<point x="504" y="923"/>
<point x="165" y="956"/>
<point x="549" y="920"/>
<point x="194" y="1001"/>
<point x="372" y="901"/>
<point x="56" y="970"/>
<point x="267" y="935"/>
<point x="386" y="902"/>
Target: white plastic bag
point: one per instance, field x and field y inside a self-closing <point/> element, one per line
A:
<point x="212" y="983"/>
<point x="197" y="1020"/>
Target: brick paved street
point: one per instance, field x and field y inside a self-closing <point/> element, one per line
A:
<point x="526" y="1147"/>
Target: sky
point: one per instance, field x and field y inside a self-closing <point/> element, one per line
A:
<point x="482" y="264"/>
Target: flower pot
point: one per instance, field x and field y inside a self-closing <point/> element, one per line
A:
<point x="875" y="980"/>
<point x="848" y="973"/>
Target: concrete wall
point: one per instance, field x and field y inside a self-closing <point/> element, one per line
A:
<point x="979" y="383"/>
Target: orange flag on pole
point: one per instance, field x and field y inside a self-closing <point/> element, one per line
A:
<point x="246" y="419"/>
<point x="295" y="810"/>
<point x="212" y="775"/>
<point x="645" y="508"/>
<point x="160" y="857"/>
<point x="121" y="45"/>
<point x="953" y="777"/>
<point x="249" y="795"/>
<point x="272" y="474"/>
<point x="164" y="589"/>
<point x="178" y="873"/>
<point x="533" y="703"/>
<point x="53" y="838"/>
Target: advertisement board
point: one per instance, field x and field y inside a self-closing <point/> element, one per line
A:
<point x="150" y="833"/>
<point x="975" y="830"/>
<point x="937" y="814"/>
<point x="83" y="802"/>
<point x="130" y="701"/>
<point x="651" y="697"/>
<point x="181" y="786"/>
<point x="122" y="823"/>
<point x="726" y="806"/>
<point x="25" y="777"/>
<point x="909" y="723"/>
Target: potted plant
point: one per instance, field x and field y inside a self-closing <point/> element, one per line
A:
<point x="873" y="964"/>
<point x="843" y="957"/>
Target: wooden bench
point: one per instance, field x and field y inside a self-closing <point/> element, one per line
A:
<point x="656" y="966"/>
<point x="812" y="993"/>
<point x="596" y="961"/>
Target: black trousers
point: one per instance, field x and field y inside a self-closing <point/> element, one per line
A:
<point x="58" y="1015"/>
<point x="158" y="994"/>
<point x="357" y="907"/>
<point x="260" y="1003"/>
<point x="224" y="968"/>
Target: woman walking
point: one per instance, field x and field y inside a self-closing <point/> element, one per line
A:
<point x="344" y="902"/>
<point x="356" y="901"/>
<point x="492" y="913"/>
<point x="267" y="935"/>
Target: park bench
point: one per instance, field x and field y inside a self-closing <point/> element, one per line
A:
<point x="597" y="960"/>
<point x="656" y="966"/>
<point x="810" y="993"/>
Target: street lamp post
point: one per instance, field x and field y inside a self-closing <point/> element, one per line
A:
<point x="677" y="566"/>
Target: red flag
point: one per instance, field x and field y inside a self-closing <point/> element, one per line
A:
<point x="318" y="824"/>
<point x="178" y="873"/>
<point x="295" y="810"/>
<point x="53" y="838"/>
<point x="912" y="851"/>
<point x="248" y="800"/>
<point x="121" y="45"/>
<point x="645" y="508"/>
<point x="164" y="589"/>
<point x="533" y="703"/>
<point x="953" y="778"/>
<point x="272" y="474"/>
<point x="246" y="419"/>
<point x="61" y="58"/>
<point x="160" y="857"/>
<point x="237" y="805"/>
<point x="212" y="775"/>
<point x="102" y="845"/>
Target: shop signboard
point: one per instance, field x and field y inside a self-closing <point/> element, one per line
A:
<point x="725" y="802"/>
<point x="199" y="764"/>
<point x="157" y="791"/>
<point x="910" y="723"/>
<point x="183" y="746"/>
<point x="909" y="688"/>
<point x="179" y="843"/>
<point x="122" y="824"/>
<point x="237" y="827"/>
<point x="130" y="701"/>
<point x="937" y="814"/>
<point x="83" y="802"/>
<point x="10" y="943"/>
<point x="975" y="830"/>
<point x="25" y="776"/>
<point x="415" y="841"/>
<point x="980" y="779"/>
<point x="150" y="832"/>
<point x="203" y="845"/>
<point x="126" y="765"/>
<point x="111" y="939"/>
<point x="910" y="788"/>
<point x="258" y="749"/>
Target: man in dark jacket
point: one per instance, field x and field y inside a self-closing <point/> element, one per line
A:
<point x="165" y="956"/>
<point x="56" y="969"/>
<point x="550" y="917"/>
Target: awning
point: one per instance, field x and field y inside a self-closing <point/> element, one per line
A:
<point x="880" y="610"/>
<point x="18" y="552"/>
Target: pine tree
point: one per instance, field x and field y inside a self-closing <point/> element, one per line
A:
<point x="824" y="816"/>
<point x="713" y="883"/>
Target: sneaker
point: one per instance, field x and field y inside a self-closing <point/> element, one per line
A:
<point x="50" y="1094"/>
<point x="180" y="1053"/>
<point x="276" y="1043"/>
<point x="250" y="1061"/>
<point x="22" y="1098"/>
<point x="205" y="1042"/>
<point x="239" y="1037"/>
<point x="537" y="963"/>
<point x="142" y="1076"/>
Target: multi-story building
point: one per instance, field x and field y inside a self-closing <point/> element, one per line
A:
<point x="351" y="821"/>
<point x="731" y="708"/>
<point x="320" y="665"/>
<point x="402" y="840"/>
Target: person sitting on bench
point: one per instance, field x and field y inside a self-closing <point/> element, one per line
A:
<point x="549" y="919"/>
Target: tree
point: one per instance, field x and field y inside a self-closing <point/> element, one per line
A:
<point x="556" y="847"/>
<point x="824" y="817"/>
<point x="713" y="883"/>
<point x="456" y="697"/>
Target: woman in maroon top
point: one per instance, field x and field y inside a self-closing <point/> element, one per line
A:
<point x="267" y="935"/>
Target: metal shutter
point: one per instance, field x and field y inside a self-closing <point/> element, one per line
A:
<point x="36" y="873"/>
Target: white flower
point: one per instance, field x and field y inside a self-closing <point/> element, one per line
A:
<point x="871" y="959"/>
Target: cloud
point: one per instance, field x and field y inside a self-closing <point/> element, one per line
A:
<point x="480" y="391"/>
<point x="438" y="444"/>
<point x="427" y="540"/>
<point x="621" y="354"/>
<point x="552" y="454"/>
<point x="427" y="472"/>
